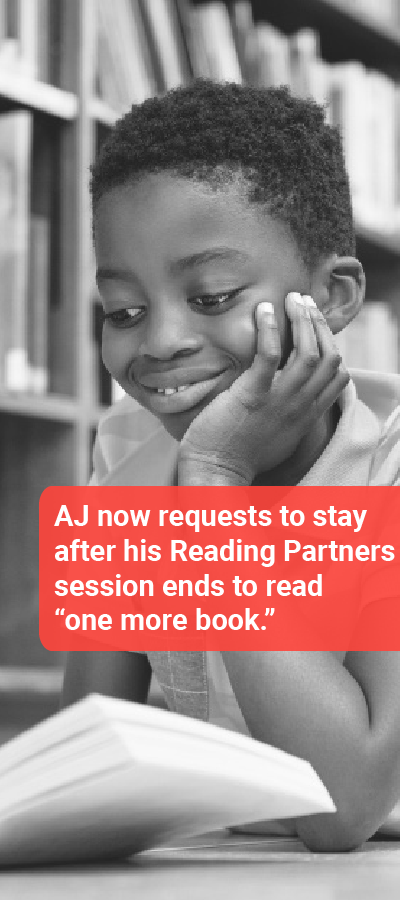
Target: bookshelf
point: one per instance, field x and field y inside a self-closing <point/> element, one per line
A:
<point x="347" y="30"/>
<point x="48" y="426"/>
<point x="47" y="434"/>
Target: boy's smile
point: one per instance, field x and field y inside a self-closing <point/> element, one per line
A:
<point x="181" y="270"/>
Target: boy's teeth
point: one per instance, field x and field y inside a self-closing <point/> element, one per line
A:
<point x="168" y="391"/>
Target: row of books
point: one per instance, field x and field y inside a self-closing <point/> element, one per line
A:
<point x="25" y="242"/>
<point x="173" y="40"/>
<point x="387" y="11"/>
<point x="30" y="38"/>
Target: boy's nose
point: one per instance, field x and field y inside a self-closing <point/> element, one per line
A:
<point x="168" y="336"/>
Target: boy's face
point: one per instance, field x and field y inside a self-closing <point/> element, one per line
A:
<point x="181" y="269"/>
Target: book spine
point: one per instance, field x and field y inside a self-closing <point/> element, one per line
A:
<point x="15" y="153"/>
<point x="304" y="51"/>
<point x="397" y="155"/>
<point x="194" y="39"/>
<point x="274" y="67"/>
<point x="142" y="49"/>
<point x="110" y="37"/>
<point x="10" y="48"/>
<point x="350" y="108"/>
<point x="138" y="83"/>
<point x="43" y="30"/>
<point x="123" y="68"/>
<point x="28" y="36"/>
<point x="107" y="82"/>
<point x="3" y="22"/>
<point x="38" y="310"/>
<point x="243" y="30"/>
<point x="382" y="147"/>
<point x="218" y="42"/>
<point x="167" y="39"/>
<point x="377" y="10"/>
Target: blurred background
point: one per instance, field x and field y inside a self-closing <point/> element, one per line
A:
<point x="68" y="69"/>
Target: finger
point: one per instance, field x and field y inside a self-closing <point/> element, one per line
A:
<point x="268" y="352"/>
<point x="322" y="331"/>
<point x="252" y="386"/>
<point x="330" y="358"/>
<point x="306" y="357"/>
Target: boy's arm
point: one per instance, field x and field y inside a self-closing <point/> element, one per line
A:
<point x="116" y="674"/>
<point x="343" y="718"/>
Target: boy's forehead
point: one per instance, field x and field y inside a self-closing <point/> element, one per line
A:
<point x="166" y="212"/>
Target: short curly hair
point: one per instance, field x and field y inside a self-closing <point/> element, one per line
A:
<point x="291" y="159"/>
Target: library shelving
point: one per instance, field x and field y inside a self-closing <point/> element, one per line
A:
<point x="47" y="431"/>
<point x="49" y="409"/>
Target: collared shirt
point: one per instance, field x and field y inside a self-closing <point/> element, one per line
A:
<point x="133" y="448"/>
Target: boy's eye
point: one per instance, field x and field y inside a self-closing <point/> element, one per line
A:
<point x="213" y="302"/>
<point x="123" y="318"/>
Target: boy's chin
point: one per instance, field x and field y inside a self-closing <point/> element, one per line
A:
<point x="177" y="424"/>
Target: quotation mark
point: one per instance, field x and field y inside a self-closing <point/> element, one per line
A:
<point x="268" y="612"/>
<point x="60" y="612"/>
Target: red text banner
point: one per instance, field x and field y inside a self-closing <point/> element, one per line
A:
<point x="168" y="568"/>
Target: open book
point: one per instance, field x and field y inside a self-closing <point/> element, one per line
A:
<point x="107" y="778"/>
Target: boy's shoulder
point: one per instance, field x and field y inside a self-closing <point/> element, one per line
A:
<point x="365" y="448"/>
<point x="380" y="392"/>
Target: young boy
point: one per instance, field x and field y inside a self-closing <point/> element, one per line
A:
<point x="219" y="212"/>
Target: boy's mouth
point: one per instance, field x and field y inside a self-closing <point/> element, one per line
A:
<point x="172" y="393"/>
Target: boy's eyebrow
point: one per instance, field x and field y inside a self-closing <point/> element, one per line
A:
<point x="205" y="256"/>
<point x="178" y="265"/>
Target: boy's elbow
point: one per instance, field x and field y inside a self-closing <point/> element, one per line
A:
<point x="363" y="801"/>
<point x="339" y="832"/>
<point x="336" y="836"/>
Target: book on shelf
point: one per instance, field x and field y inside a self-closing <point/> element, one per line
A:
<point x="166" y="38"/>
<point x="380" y="149"/>
<point x="304" y="57"/>
<point x="387" y="11"/>
<point x="106" y="778"/>
<point x="397" y="159"/>
<point x="193" y="38"/>
<point x="363" y="105"/>
<point x="27" y="196"/>
<point x="243" y="33"/>
<point x="37" y="303"/>
<point x="28" y="35"/>
<point x="48" y="39"/>
<point x="15" y="156"/>
<point x="43" y="191"/>
<point x="125" y="73"/>
<point x="211" y="42"/>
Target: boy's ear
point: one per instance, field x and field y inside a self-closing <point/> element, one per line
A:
<point x="338" y="288"/>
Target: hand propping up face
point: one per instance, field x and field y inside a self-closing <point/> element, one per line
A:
<point x="259" y="421"/>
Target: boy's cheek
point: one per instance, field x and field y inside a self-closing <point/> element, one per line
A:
<point x="241" y="336"/>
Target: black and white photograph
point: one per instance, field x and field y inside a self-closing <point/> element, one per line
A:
<point x="200" y="289"/>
